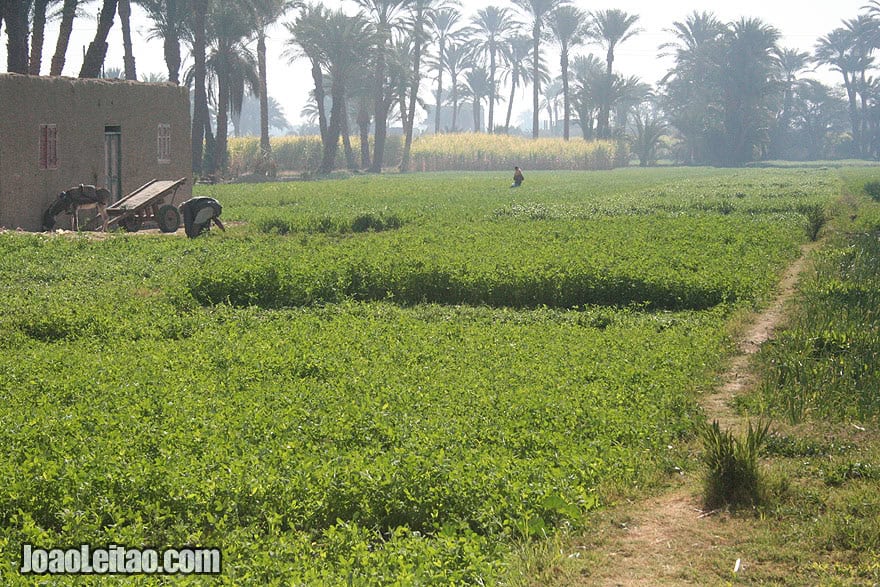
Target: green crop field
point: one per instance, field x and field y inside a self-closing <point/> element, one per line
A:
<point x="378" y="380"/>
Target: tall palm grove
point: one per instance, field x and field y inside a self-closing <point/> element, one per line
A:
<point x="733" y="95"/>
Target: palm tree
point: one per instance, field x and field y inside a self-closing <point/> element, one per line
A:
<point x="37" y="31"/>
<point x="816" y="111"/>
<point x="629" y="93"/>
<point x="94" y="59"/>
<point x="539" y="11"/>
<point x="748" y="77"/>
<point x="835" y="50"/>
<point x="479" y="88"/>
<point x="232" y="63"/>
<point x="690" y="86"/>
<point x="305" y="39"/>
<point x="201" y="122"/>
<point x="124" y="9"/>
<point x="567" y="25"/>
<point x="68" y="13"/>
<point x="16" y="16"/>
<point x="153" y="78"/>
<point x="492" y="27"/>
<point x="444" y="22"/>
<point x="343" y="43"/>
<point x="516" y="52"/>
<point x="418" y="24"/>
<point x="170" y="18"/>
<point x="648" y="130"/>
<point x="589" y="79"/>
<point x="552" y="95"/>
<point x="265" y="13"/>
<point x="385" y="15"/>
<point x="458" y="60"/>
<point x="609" y="28"/>
<point x="790" y="63"/>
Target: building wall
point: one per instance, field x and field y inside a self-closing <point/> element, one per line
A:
<point x="81" y="110"/>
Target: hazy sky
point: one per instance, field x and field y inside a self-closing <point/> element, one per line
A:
<point x="801" y="23"/>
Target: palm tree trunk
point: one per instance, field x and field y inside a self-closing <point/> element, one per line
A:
<point x="209" y="164"/>
<point x="265" y="145"/>
<point x="439" y="88"/>
<point x="222" y="113"/>
<point x="346" y="139"/>
<point x="68" y="13"/>
<point x="477" y="126"/>
<point x="128" y="59"/>
<point x="171" y="44"/>
<point x="97" y="50"/>
<point x="513" y="84"/>
<point x="585" y="122"/>
<point x="17" y="36"/>
<point x="490" y="124"/>
<point x="401" y="104"/>
<point x="200" y="95"/>
<point x="849" y="83"/>
<point x="331" y="145"/>
<point x="38" y="29"/>
<point x="602" y="128"/>
<point x="363" y="121"/>
<point x="566" y="102"/>
<point x="381" y="115"/>
<point x="536" y="79"/>
<point x="454" y="104"/>
<point x="318" y="79"/>
<point x="413" y="99"/>
<point x="863" y="117"/>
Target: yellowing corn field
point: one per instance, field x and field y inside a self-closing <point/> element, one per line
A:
<point x="446" y="152"/>
<point x="475" y="151"/>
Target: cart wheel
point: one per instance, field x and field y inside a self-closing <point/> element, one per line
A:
<point x="168" y="218"/>
<point x="131" y="224"/>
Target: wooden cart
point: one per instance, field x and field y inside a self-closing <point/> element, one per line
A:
<point x="147" y="203"/>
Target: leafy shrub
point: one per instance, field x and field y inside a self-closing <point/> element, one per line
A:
<point x="375" y="222"/>
<point x="732" y="475"/>
<point x="274" y="225"/>
<point x="815" y="217"/>
<point x="872" y="188"/>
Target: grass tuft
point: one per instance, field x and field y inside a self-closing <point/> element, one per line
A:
<point x="732" y="475"/>
<point x="815" y="219"/>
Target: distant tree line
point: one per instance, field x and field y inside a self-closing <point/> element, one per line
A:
<point x="733" y="95"/>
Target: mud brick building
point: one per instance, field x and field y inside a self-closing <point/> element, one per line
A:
<point x="60" y="132"/>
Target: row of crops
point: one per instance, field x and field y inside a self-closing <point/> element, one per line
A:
<point x="395" y="405"/>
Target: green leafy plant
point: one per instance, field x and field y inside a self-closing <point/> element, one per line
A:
<point x="872" y="188"/>
<point x="732" y="476"/>
<point x="815" y="219"/>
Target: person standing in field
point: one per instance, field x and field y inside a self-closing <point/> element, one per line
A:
<point x="517" y="177"/>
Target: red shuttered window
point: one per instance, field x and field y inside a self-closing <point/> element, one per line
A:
<point x="48" y="146"/>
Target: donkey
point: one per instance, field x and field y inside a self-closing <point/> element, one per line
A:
<point x="82" y="197"/>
